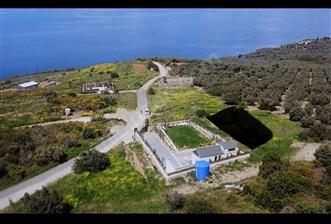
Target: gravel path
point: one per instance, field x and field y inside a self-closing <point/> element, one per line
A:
<point x="304" y="151"/>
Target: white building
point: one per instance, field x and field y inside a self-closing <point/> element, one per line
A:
<point x="221" y="150"/>
<point x="27" y="85"/>
<point x="98" y="88"/>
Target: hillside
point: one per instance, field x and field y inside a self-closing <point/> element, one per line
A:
<point x="293" y="79"/>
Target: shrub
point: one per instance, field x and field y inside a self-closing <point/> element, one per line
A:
<point x="110" y="100"/>
<point x="3" y="170"/>
<point x="328" y="170"/>
<point x="307" y="122"/>
<point x="150" y="65"/>
<point x="271" y="163"/>
<point x="201" y="113"/>
<point x="328" y="207"/>
<point x="175" y="201"/>
<point x="266" y="199"/>
<point x="199" y="204"/>
<point x="138" y="83"/>
<point x="326" y="192"/>
<point x="283" y="184"/>
<point x="89" y="132"/>
<point x="72" y="94"/>
<point x="91" y="161"/>
<point x="52" y="153"/>
<point x="305" y="208"/>
<point x="113" y="75"/>
<point x="232" y="96"/>
<point x="45" y="201"/>
<point x="317" y="132"/>
<point x="296" y="114"/>
<point x="151" y="91"/>
<point x="323" y="154"/>
<point x="51" y="97"/>
<point x="72" y="143"/>
<point x="324" y="114"/>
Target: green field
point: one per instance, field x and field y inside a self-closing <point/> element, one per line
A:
<point x="284" y="133"/>
<point x="118" y="189"/>
<point x="181" y="103"/>
<point x="187" y="137"/>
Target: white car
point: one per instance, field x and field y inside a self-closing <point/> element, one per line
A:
<point x="147" y="112"/>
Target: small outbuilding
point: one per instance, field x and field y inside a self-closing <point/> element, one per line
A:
<point x="222" y="150"/>
<point x="28" y="85"/>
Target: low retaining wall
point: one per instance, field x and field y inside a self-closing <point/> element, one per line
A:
<point x="216" y="164"/>
<point x="204" y="131"/>
<point x="151" y="155"/>
<point x="163" y="135"/>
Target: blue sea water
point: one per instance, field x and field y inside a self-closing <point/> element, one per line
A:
<point x="34" y="40"/>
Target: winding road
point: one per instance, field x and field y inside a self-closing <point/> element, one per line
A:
<point x="137" y="120"/>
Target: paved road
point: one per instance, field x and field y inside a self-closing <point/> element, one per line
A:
<point x="16" y="192"/>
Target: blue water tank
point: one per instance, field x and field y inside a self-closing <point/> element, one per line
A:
<point x="201" y="170"/>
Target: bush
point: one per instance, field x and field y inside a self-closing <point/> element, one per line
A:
<point x="284" y="184"/>
<point x="271" y="163"/>
<point x="89" y="132"/>
<point x="72" y="94"/>
<point x="323" y="154"/>
<point x="110" y="100"/>
<point x="150" y="65"/>
<point x="328" y="170"/>
<point x="175" y="201"/>
<point x="3" y="170"/>
<point x="72" y="143"/>
<point x="317" y="132"/>
<point x="113" y="75"/>
<point x="232" y="96"/>
<point x="52" y="153"/>
<point x="45" y="201"/>
<point x="305" y="208"/>
<point x="201" y="113"/>
<point x="324" y="114"/>
<point x="151" y="91"/>
<point x="199" y="204"/>
<point x="51" y="97"/>
<point x="267" y="200"/>
<point x="297" y="114"/>
<point x="307" y="122"/>
<point x="91" y="161"/>
<point x="326" y="192"/>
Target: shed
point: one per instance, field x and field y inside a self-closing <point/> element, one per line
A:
<point x="27" y="85"/>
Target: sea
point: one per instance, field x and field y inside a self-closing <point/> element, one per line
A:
<point x="37" y="40"/>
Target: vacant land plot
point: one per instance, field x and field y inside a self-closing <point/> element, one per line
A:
<point x="18" y="108"/>
<point x="284" y="133"/>
<point x="187" y="137"/>
<point x="118" y="189"/>
<point x="139" y="67"/>
<point x="181" y="103"/>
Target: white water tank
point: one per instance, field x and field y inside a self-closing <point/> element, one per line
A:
<point x="67" y="111"/>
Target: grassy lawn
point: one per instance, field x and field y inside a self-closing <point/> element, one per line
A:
<point x="118" y="189"/>
<point x="284" y="133"/>
<point x="187" y="137"/>
<point x="181" y="103"/>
